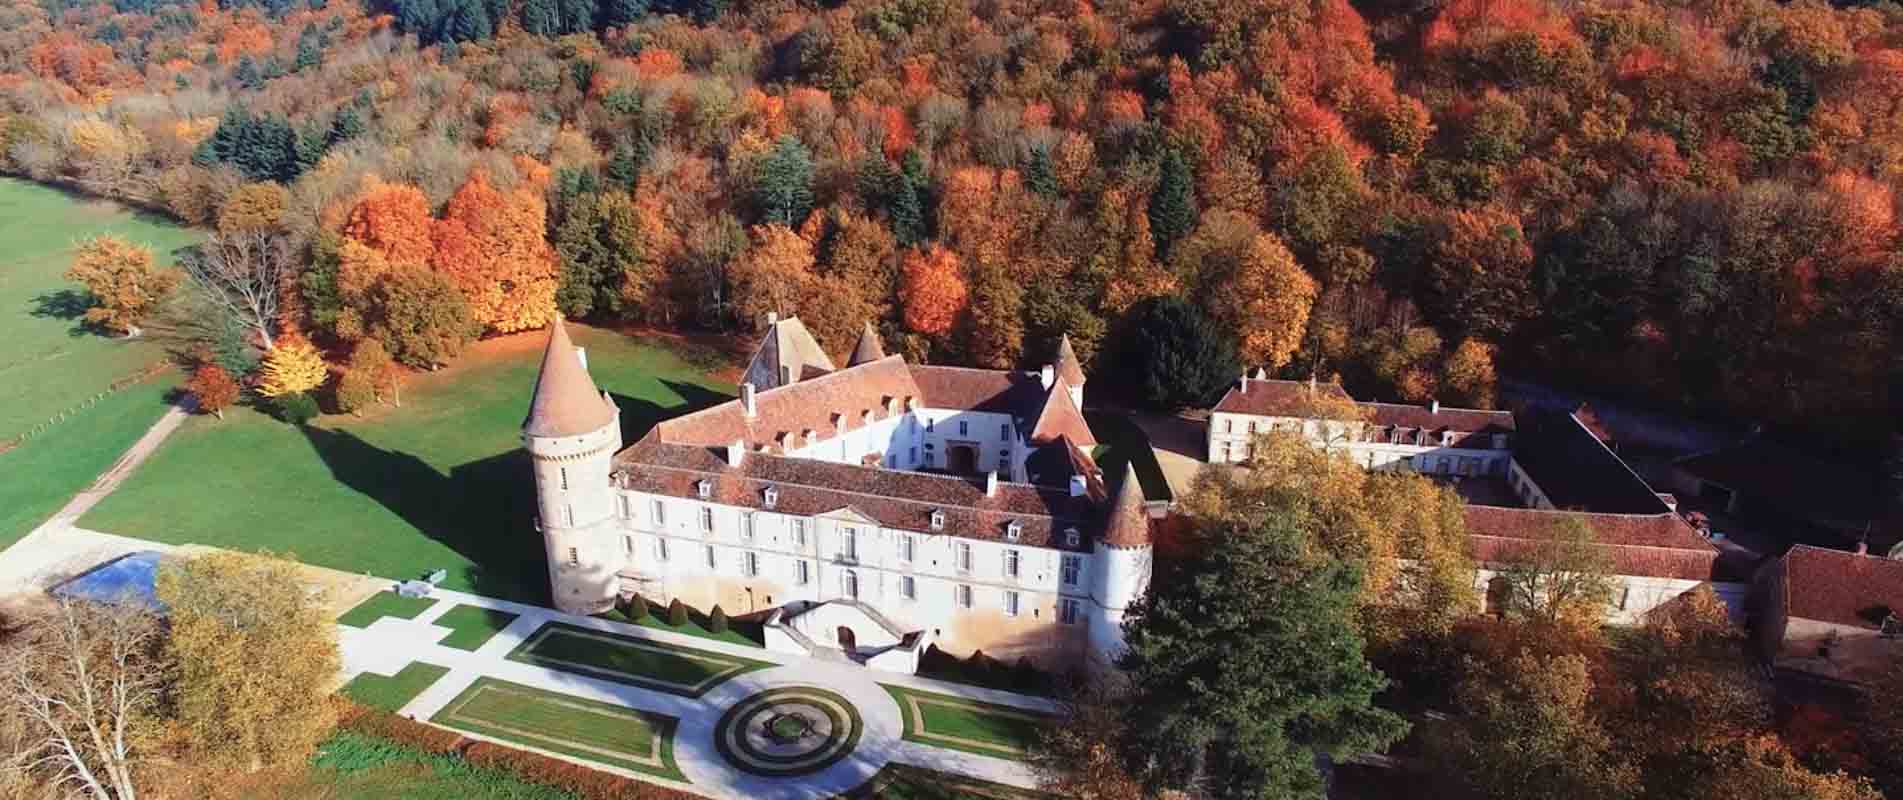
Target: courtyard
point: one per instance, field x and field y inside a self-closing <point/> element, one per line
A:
<point x="716" y="718"/>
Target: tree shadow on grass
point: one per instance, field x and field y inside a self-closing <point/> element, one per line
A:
<point x="484" y="510"/>
<point x="65" y="304"/>
<point x="638" y="416"/>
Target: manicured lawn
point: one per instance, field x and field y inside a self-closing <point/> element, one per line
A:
<point x="624" y="659"/>
<point x="385" y="604"/>
<point x="968" y="725"/>
<point x="47" y="361"/>
<point x="392" y="692"/>
<point x="469" y="626"/>
<point x="38" y="477"/>
<point x="352" y="766"/>
<point x="906" y="782"/>
<point x="439" y="483"/>
<point x="738" y="632"/>
<point x="532" y="717"/>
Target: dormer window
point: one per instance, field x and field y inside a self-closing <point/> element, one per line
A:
<point x="771" y="497"/>
<point x="938" y="520"/>
<point x="1013" y="530"/>
<point x="704" y="488"/>
<point x="1072" y="537"/>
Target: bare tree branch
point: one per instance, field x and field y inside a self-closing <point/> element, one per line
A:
<point x="81" y="677"/>
<point x="241" y="272"/>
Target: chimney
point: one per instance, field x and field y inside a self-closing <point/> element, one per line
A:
<point x="581" y="354"/>
<point x="735" y="451"/>
<point x="1242" y="384"/>
<point x="1047" y="376"/>
<point x="1863" y="547"/>
<point x="1261" y="374"/>
<point x="991" y="483"/>
<point x="1433" y="406"/>
<point x="746" y="399"/>
<point x="772" y="317"/>
<point x="1077" y="485"/>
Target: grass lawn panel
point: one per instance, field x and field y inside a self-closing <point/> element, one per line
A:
<point x="907" y="782"/>
<point x="441" y="483"/>
<point x="385" y="604"/>
<point x="740" y="632"/>
<point x="352" y="766"/>
<point x="48" y="361"/>
<point x="392" y="692"/>
<point x="470" y="626"/>
<point x="968" y="725"/>
<point x="637" y="662"/>
<point x="556" y="722"/>
<point x="39" y="476"/>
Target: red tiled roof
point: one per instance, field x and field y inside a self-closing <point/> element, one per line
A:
<point x="868" y="350"/>
<point x="796" y="408"/>
<point x="1269" y="398"/>
<point x="1843" y="588"/>
<point x="566" y="402"/>
<point x="1651" y="562"/>
<point x="893" y="498"/>
<point x="1470" y="420"/>
<point x="1068" y="368"/>
<point x="1060" y="417"/>
<point x="992" y="390"/>
<point x="1129" y="524"/>
<point x="1653" y="545"/>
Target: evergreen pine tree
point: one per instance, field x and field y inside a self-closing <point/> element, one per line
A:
<point x="783" y="183"/>
<point x="308" y="52"/>
<point x="717" y="621"/>
<point x="471" y="22"/>
<point x="1173" y="204"/>
<point x="677" y="613"/>
<point x="909" y="223"/>
<point x="311" y="144"/>
<point x="625" y="165"/>
<point x="346" y="125"/>
<point x="246" y="74"/>
<point x="1039" y="176"/>
<point x="541" y="17"/>
<point x="638" y="608"/>
<point x="578" y="16"/>
<point x="616" y="13"/>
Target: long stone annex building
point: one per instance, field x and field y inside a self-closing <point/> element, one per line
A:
<point x="869" y="511"/>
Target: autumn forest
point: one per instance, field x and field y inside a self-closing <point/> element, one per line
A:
<point x="1689" y="202"/>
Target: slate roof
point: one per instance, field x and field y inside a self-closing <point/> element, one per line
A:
<point x="1577" y="471"/>
<point x="869" y="348"/>
<point x="1790" y="481"/>
<point x="1840" y="587"/>
<point x="566" y="402"/>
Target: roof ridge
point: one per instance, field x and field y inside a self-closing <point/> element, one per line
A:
<point x="1602" y="544"/>
<point x="1442" y="408"/>
<point x="860" y="493"/>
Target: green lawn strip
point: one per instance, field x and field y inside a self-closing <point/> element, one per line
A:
<point x="43" y="473"/>
<point x="740" y="632"/>
<point x="471" y="626"/>
<point x="49" y="362"/>
<point x="587" y="729"/>
<point x="352" y="766"/>
<point x="907" y="782"/>
<point x="630" y="660"/>
<point x="392" y="692"/>
<point x="968" y="725"/>
<point x="385" y="604"/>
<point x="441" y="483"/>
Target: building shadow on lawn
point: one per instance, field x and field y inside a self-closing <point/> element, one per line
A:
<point x="639" y="416"/>
<point x="484" y="510"/>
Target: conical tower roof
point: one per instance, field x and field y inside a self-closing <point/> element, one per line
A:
<point x="1068" y="367"/>
<point x="1129" y="524"/>
<point x="566" y="402"/>
<point x="869" y="348"/>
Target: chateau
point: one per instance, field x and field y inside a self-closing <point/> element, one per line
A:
<point x="868" y="511"/>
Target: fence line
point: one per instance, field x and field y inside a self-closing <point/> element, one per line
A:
<point x="116" y="386"/>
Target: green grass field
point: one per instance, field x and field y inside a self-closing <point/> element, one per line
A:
<point x="968" y="725"/>
<point x="384" y="604"/>
<point x="440" y="483"/>
<point x="46" y="471"/>
<point x="392" y="692"/>
<point x="741" y="632"/>
<point x="545" y="720"/>
<point x="470" y="627"/>
<point x="639" y="662"/>
<point x="352" y="766"/>
<point x="47" y="362"/>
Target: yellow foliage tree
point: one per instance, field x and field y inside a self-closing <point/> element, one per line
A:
<point x="1268" y="301"/>
<point x="291" y="367"/>
<point x="125" y="285"/>
<point x="256" y="654"/>
<point x="254" y="206"/>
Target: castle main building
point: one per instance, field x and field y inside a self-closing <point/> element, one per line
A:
<point x="872" y="510"/>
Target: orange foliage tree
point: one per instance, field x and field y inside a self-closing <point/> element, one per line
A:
<point x="494" y="247"/>
<point x="932" y="290"/>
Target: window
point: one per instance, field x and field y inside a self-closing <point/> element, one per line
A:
<point x="660" y="550"/>
<point x="568" y="515"/>
<point x="1072" y="565"/>
<point x="627" y="507"/>
<point x="706" y="519"/>
<point x="804" y="574"/>
<point x="1004" y="461"/>
<point x="849" y="585"/>
<point x="704" y="487"/>
<point x="964" y="556"/>
<point x="1013" y="530"/>
<point x="799" y="531"/>
<point x="964" y="596"/>
<point x="658" y="511"/>
<point x="849" y="544"/>
<point x="908" y="588"/>
<point x="746" y="526"/>
<point x="1067" y="612"/>
<point x="1011" y="563"/>
<point x="564" y="479"/>
<point x="1228" y="425"/>
<point x="1004" y="432"/>
<point x="1072" y="537"/>
<point x="1010" y="604"/>
<point x="938" y="520"/>
<point x="908" y="547"/>
<point x="574" y="557"/>
<point x="711" y="564"/>
<point x="930" y="424"/>
<point x="750" y="564"/>
<point x="771" y="497"/>
<point x="911" y="456"/>
<point x="627" y="545"/>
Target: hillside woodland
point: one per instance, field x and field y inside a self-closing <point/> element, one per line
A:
<point x="1692" y="202"/>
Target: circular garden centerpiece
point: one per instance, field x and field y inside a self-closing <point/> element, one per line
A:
<point x="794" y="730"/>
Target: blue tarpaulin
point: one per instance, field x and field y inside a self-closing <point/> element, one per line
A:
<point x="129" y="577"/>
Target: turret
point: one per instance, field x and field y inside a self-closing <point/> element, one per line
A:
<point x="1121" y="568"/>
<point x="572" y="433"/>
<point x="1070" y="369"/>
<point x="868" y="350"/>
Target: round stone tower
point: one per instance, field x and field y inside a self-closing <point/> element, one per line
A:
<point x="1120" y="568"/>
<point x="572" y="433"/>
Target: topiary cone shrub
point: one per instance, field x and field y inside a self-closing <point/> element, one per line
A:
<point x="638" y="608"/>
<point x="717" y="621"/>
<point x="677" y="613"/>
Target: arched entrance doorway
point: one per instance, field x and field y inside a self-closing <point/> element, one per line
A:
<point x="847" y="641"/>
<point x="961" y="459"/>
